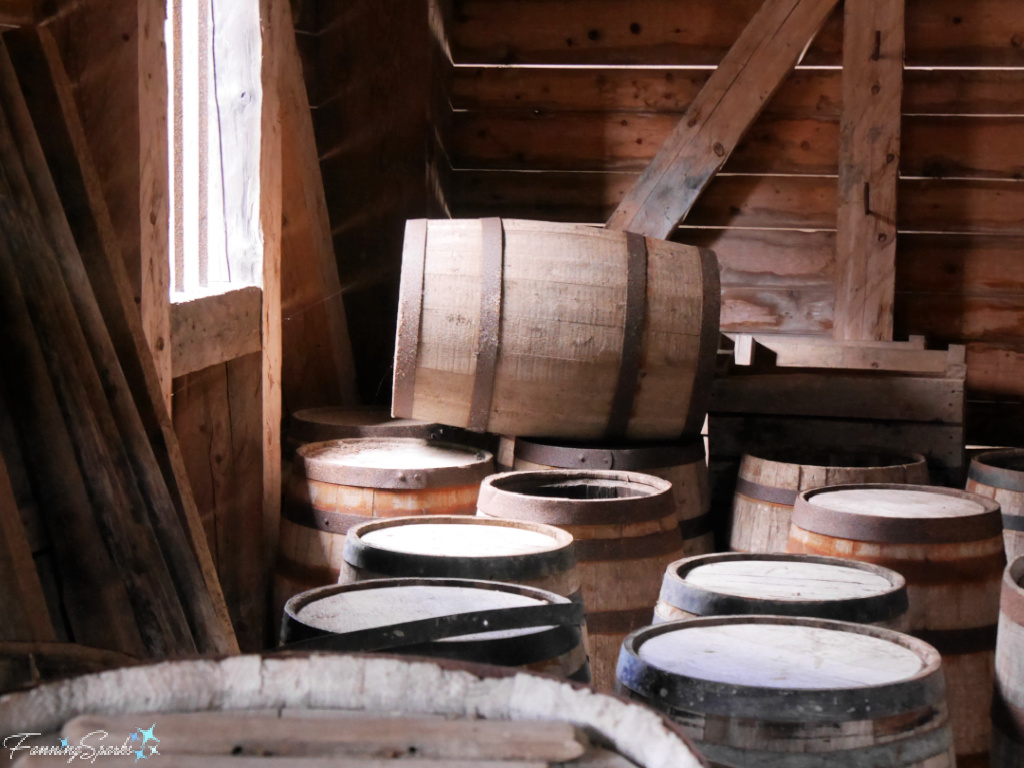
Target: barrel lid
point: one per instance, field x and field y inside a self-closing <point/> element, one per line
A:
<point x="793" y="669"/>
<point x="897" y="514"/>
<point x="460" y="547"/>
<point x="785" y="585"/>
<point x="576" y="497"/>
<point x="999" y="469"/>
<point x="631" y="457"/>
<point x="398" y="463"/>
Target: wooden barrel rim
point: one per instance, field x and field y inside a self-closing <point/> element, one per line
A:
<point x="623" y="457"/>
<point x="894" y="530"/>
<point x="558" y="620"/>
<point x="314" y="425"/>
<point x="508" y="496"/>
<point x="695" y="599"/>
<point x="309" y="464"/>
<point x="807" y="705"/>
<point x="707" y="350"/>
<point x="286" y="680"/>
<point x="999" y="469"/>
<point x="1011" y="602"/>
<point x="559" y="558"/>
<point x="796" y="456"/>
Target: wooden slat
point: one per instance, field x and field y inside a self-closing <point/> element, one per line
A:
<point x="768" y="258"/>
<point x="319" y="368"/>
<point x="869" y="166"/>
<point x="767" y="49"/>
<point x="933" y="146"/>
<point x="90" y="258"/>
<point x="18" y="13"/>
<point x="215" y="329"/>
<point x="802" y="310"/>
<point x="994" y="370"/>
<point x="275" y="22"/>
<point x="959" y="264"/>
<point x="247" y="735"/>
<point x="797" y="202"/>
<point x="947" y="317"/>
<point x="805" y="93"/>
<point x="23" y="613"/>
<point x="904" y="398"/>
<point x="731" y="435"/>
<point x="666" y="32"/>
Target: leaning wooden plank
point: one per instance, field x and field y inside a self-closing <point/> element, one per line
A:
<point x="78" y="186"/>
<point x="95" y="599"/>
<point x="23" y="614"/>
<point x="215" y="329"/>
<point x="766" y="51"/>
<point x="114" y="493"/>
<point x="247" y="735"/>
<point x="24" y="665"/>
<point x="869" y="152"/>
<point x="905" y="398"/>
<point x="319" y="368"/>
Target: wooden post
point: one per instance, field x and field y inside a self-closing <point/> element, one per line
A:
<point x="274" y="15"/>
<point x="753" y="69"/>
<point x="869" y="154"/>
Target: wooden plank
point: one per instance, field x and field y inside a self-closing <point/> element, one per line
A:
<point x="811" y="352"/>
<point x="16" y="13"/>
<point x="940" y="33"/>
<point x="319" y="368"/>
<point x="903" y="398"/>
<point x="275" y="22"/>
<point x="805" y="93"/>
<point x="953" y="317"/>
<point x="23" y="613"/>
<point x="244" y="734"/>
<point x="768" y="258"/>
<point x="869" y="167"/>
<point x="995" y="370"/>
<point x="959" y="264"/>
<point x="214" y="329"/>
<point x="786" y="202"/>
<point x="781" y="310"/>
<point x="766" y="51"/>
<point x="731" y="435"/>
<point x="77" y="185"/>
<point x="154" y="190"/>
<point x="933" y="146"/>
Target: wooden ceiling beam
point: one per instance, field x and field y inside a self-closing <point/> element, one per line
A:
<point x="753" y="69"/>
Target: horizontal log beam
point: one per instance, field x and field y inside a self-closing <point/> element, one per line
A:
<point x="215" y="329"/>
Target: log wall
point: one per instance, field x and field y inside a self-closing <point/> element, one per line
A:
<point x="557" y="107"/>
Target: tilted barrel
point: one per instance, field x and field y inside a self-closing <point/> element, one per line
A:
<point x="781" y="692"/>
<point x="681" y="462"/>
<point x="554" y="330"/>
<point x="770" y="481"/>
<point x="735" y="583"/>
<point x="625" y="531"/>
<point x="948" y="545"/>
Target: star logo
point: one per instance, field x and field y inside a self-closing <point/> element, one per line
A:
<point x="147" y="735"/>
<point x="139" y="755"/>
<point x="64" y="743"/>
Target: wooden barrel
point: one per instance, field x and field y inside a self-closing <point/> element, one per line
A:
<point x="682" y="463"/>
<point x="626" y="533"/>
<point x="948" y="545"/>
<point x="769" y="483"/>
<point x="735" y="583"/>
<point x="339" y="483"/>
<point x="1008" y="704"/>
<point x="486" y="622"/>
<point x="460" y="547"/>
<point x="554" y="330"/>
<point x="337" y="709"/>
<point x="999" y="475"/>
<point x="783" y="692"/>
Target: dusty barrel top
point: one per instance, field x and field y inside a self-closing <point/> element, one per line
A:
<point x="897" y="513"/>
<point x="779" y="584"/>
<point x="454" y="546"/>
<point x="396" y="463"/>
<point x="313" y="425"/>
